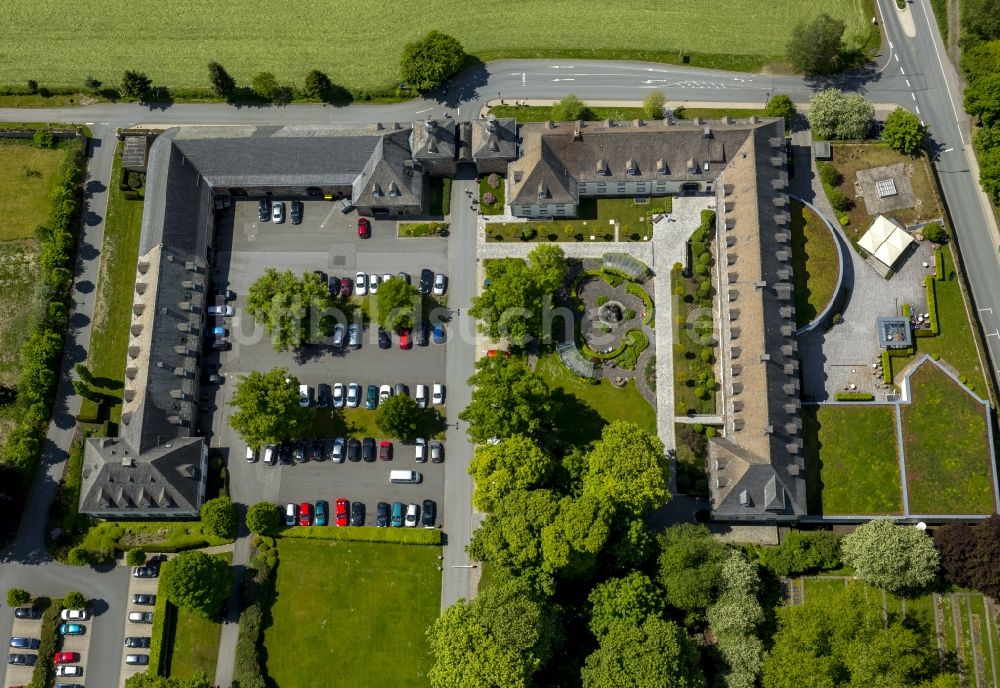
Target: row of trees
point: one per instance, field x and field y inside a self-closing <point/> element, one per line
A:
<point x="981" y="66"/>
<point x="834" y="114"/>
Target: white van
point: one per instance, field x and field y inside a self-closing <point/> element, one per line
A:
<point x="251" y="455"/>
<point x="305" y="395"/>
<point x="421" y="396"/>
<point x="405" y="477"/>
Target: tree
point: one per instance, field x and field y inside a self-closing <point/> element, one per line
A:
<point x="573" y="541"/>
<point x="734" y="618"/>
<point x="196" y="581"/>
<point x="980" y="19"/>
<point x="652" y="106"/>
<point x="802" y="552"/>
<point x="148" y="679"/>
<point x="781" y="105"/>
<point x="515" y="463"/>
<point x="263" y="518"/>
<point x="690" y="565"/>
<point x="570" y="109"/>
<point x="268" y="408"/>
<point x="429" y="62"/>
<point x="816" y="47"/>
<point x="397" y="304"/>
<point x="982" y="99"/>
<point x="984" y="569"/>
<point x="510" y="537"/>
<point x="547" y="263"/>
<point x="508" y="399"/>
<point x="934" y="232"/>
<point x="986" y="139"/>
<point x="222" y="83"/>
<point x="265" y="85"/>
<point x="629" y="468"/>
<point x="834" y="114"/>
<point x="655" y="654"/>
<point x="293" y="311"/>
<point x="989" y="174"/>
<point x="898" y="559"/>
<point x="74" y="600"/>
<point x="219" y="517"/>
<point x="630" y="599"/>
<point x="135" y="557"/>
<point x="497" y="640"/>
<point x="135" y="84"/>
<point x="904" y="132"/>
<point x="956" y="544"/>
<point x="17" y="597"/>
<point x="318" y="85"/>
<point x="399" y="416"/>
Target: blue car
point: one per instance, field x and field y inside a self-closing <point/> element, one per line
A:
<point x="439" y="334"/>
<point x="217" y="331"/>
<point x="397" y="515"/>
<point x="322" y="513"/>
<point x="70" y="629"/>
<point x="371" y="398"/>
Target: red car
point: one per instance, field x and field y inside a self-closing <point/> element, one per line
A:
<point x="342" y="515"/>
<point x="364" y="227"/>
<point x="385" y="450"/>
<point x="305" y="514"/>
<point x="405" y="341"/>
<point x="346" y="287"/>
<point x="67" y="657"/>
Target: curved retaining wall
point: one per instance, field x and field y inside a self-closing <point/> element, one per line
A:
<point x="827" y="312"/>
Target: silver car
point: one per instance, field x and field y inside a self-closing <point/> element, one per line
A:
<point x="278" y="212"/>
<point x="338" y="395"/>
<point x="339" y="449"/>
<point x="353" y="395"/>
<point x="339" y="330"/>
<point x="354" y="336"/>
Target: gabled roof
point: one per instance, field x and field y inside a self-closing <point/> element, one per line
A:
<point x="389" y="179"/>
<point x="494" y="138"/>
<point x="434" y="140"/>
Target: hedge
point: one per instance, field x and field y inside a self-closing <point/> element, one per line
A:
<point x="636" y="290"/>
<point x="886" y="367"/>
<point x="907" y="310"/>
<point x="855" y="396"/>
<point x="50" y="642"/>
<point x="421" y="229"/>
<point x="637" y="344"/>
<point x="902" y="352"/>
<point x="161" y="637"/>
<point x="939" y="263"/>
<point x="446" y="196"/>
<point x="399" y="536"/>
<point x="932" y="304"/>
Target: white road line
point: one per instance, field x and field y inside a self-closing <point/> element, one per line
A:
<point x="890" y="45"/>
<point x="912" y="95"/>
<point x="993" y="334"/>
<point x="897" y="57"/>
<point x="564" y="79"/>
<point x="523" y="78"/>
<point x="988" y="308"/>
<point x="918" y="112"/>
<point x="423" y="111"/>
<point x="902" y="71"/>
<point x="907" y="83"/>
<point x="947" y="150"/>
<point x="922" y="123"/>
<point x="327" y="218"/>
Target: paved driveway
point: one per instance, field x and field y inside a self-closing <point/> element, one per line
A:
<point x="147" y="586"/>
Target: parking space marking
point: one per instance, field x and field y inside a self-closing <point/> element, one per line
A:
<point x="24" y="628"/>
<point x="322" y="225"/>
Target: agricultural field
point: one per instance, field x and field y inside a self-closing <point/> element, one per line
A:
<point x="60" y="44"/>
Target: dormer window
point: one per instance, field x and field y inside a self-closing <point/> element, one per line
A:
<point x="661" y="166"/>
<point x="393" y="189"/>
<point x="602" y="168"/>
<point x="631" y="169"/>
<point x="377" y="190"/>
<point x="543" y="190"/>
<point x="692" y="166"/>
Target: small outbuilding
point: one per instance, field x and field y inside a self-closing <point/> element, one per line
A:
<point x="822" y="150"/>
<point x="886" y="240"/>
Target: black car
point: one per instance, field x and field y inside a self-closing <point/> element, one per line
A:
<point x="137" y="641"/>
<point x="140" y="598"/>
<point x="25" y="643"/>
<point x="299" y="452"/>
<point x="382" y="515"/>
<point x="429" y="514"/>
<point x="421" y="333"/>
<point x="426" y="281"/>
<point x="333" y="285"/>
<point x="225" y="295"/>
<point x="296" y="212"/>
<point x="368" y="449"/>
<point x="405" y="276"/>
<point x="22" y="660"/>
<point x="353" y="449"/>
<point x="323" y="394"/>
<point x="264" y="209"/>
<point x="401" y="390"/>
<point x="357" y="513"/>
<point x="316" y="451"/>
<point x="321" y="275"/>
<point x="383" y="339"/>
<point x="285" y="454"/>
<point x="27" y="613"/>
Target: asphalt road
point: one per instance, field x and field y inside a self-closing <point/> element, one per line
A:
<point x="911" y="72"/>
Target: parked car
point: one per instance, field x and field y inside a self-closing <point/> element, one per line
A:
<point x="264" y="209"/>
<point x="360" y="284"/>
<point x="405" y="276"/>
<point x="296" y="212"/>
<point x="73" y="669"/>
<point x="137" y="641"/>
<point x="322" y="395"/>
<point x="405" y="340"/>
<point x="426" y="281"/>
<point x="440" y="284"/>
<point x="332" y="284"/>
<point x="383" y="339"/>
<point x="354" y="449"/>
<point x="217" y="331"/>
<point x="278" y="212"/>
<point x="342" y="511"/>
<point x="338" y="449"/>
<point x="339" y="335"/>
<point x="373" y="281"/>
<point x="384" y="392"/>
<point x="299" y="452"/>
<point x="290" y="514"/>
<point x="27" y="613"/>
<point x="251" y="455"/>
<point x="354" y="336"/>
<point x="429" y="514"/>
<point x="345" y="287"/>
<point x="421" y="396"/>
<point x="420" y="444"/>
<point x="225" y="294"/>
<point x="270" y="455"/>
<point x="364" y="228"/>
<point x="368" y="449"/>
<point x="142" y="598"/>
<point x="357" y="513"/>
<point x="322" y="276"/>
<point x="401" y="390"/>
<point x="412" y="512"/>
<point x="322" y="512"/>
<point x="226" y="311"/>
<point x="385" y="450"/>
<point x="138" y="660"/>
<point x="316" y="451"/>
<point x="141" y="617"/>
<point x="439" y="333"/>
<point x="74" y="615"/>
<point x="24" y="643"/>
<point x="437" y="395"/>
<point x="420" y="333"/>
<point x="397" y="515"/>
<point x="437" y="451"/>
<point x="149" y="571"/>
<point x="305" y="396"/>
<point x="371" y="398"/>
<point x="353" y="395"/>
<point x="305" y="514"/>
<point x="339" y="395"/>
<point x="66" y="657"/>
<point x="22" y="660"/>
<point x="71" y="629"/>
<point x="382" y="514"/>
<point x="285" y="454"/>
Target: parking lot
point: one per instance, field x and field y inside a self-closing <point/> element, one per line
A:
<point x="326" y="240"/>
<point x="24" y="628"/>
<point x="147" y="586"/>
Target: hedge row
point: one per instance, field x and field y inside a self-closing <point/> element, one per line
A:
<point x="41" y="351"/>
<point x="446" y="196"/>
<point x="932" y="304"/>
<point x="636" y="290"/>
<point x="886" y="367"/>
<point x="939" y="263"/>
<point x="50" y="642"/>
<point x="399" y="536"/>
<point x="422" y="229"/>
<point x="164" y="615"/>
<point x="855" y="396"/>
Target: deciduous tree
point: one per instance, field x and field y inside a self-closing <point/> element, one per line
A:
<point x="630" y="599"/>
<point x="834" y="114"/>
<point x="735" y="617"/>
<point x="629" y="468"/>
<point x="318" y="85"/>
<point x="816" y="47"/>
<point x="515" y="463"/>
<point x="982" y="99"/>
<point x="904" y="132"/>
<point x="989" y="174"/>
<point x="397" y="304"/>
<point x="196" y="581"/>
<point x="17" y="597"/>
<point x="653" y="105"/>
<point x="294" y="312"/>
<point x="148" y="679"/>
<point x="689" y="568"/>
<point x="572" y="543"/>
<point x="896" y="558"/>
<point x="74" y="600"/>
<point x="263" y="518"/>
<point x="399" y="416"/>
<point x="980" y="19"/>
<point x="222" y="83"/>
<point x="802" y="552"/>
<point x="219" y="517"/>
<point x="984" y="570"/>
<point x="655" y="654"/>
<point x="135" y="557"/>
<point x="268" y="409"/>
<point x="135" y="84"/>
<point x="265" y="85"/>
<point x="508" y="399"/>
<point x="782" y="106"/>
<point x="429" y="62"/>
<point x="570" y="109"/>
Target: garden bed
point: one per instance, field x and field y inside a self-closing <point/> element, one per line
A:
<point x="595" y="218"/>
<point x="815" y="263"/>
<point x="416" y="230"/>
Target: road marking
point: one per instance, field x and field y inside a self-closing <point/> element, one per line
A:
<point x="897" y="57"/>
<point x="993" y="334"/>
<point x="907" y="83"/>
<point x="523" y="78"/>
<point x="918" y="112"/>
<point x="564" y="79"/>
<point x="326" y="219"/>
<point x="922" y="123"/>
<point x="913" y="95"/>
<point x="990" y="309"/>
<point x="563" y="67"/>
<point x="947" y="150"/>
<point x="422" y="111"/>
<point x="902" y="71"/>
<point x="890" y="45"/>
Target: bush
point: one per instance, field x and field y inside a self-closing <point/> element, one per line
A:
<point x="932" y="304"/>
<point x="318" y="85"/>
<point x="489" y="198"/>
<point x="79" y="556"/>
<point x="570" y="109"/>
<point x="43" y="139"/>
<point x="263" y="518"/>
<point x="219" y="517"/>
<point x="601" y="300"/>
<point x="135" y="557"/>
<point x="629" y="314"/>
<point x="494" y="181"/>
<point x="933" y="232"/>
<point x="419" y="536"/>
<point x="830" y="175"/>
<point x="429" y="62"/>
<point x="886" y="367"/>
<point x="855" y="396"/>
<point x="939" y="264"/>
<point x="528" y="233"/>
<point x="839" y="200"/>
<point x="17" y="597"/>
<point x="50" y="643"/>
<point x="75" y="600"/>
<point x="802" y="552"/>
<point x="164" y="618"/>
<point x="32" y="86"/>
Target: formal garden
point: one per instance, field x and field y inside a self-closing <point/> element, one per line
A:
<point x="597" y="219"/>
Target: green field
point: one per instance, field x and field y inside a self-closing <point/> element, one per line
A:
<point x="851" y="462"/>
<point x="195" y="648"/>
<point x="815" y="265"/>
<point x="27" y="176"/>
<point x="352" y="614"/>
<point x="635" y="222"/>
<point x="948" y="469"/>
<point x="359" y="43"/>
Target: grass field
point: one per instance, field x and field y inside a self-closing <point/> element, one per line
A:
<point x="593" y="217"/>
<point x="585" y="408"/>
<point x="947" y="461"/>
<point x="27" y="176"/>
<point x="195" y="648"/>
<point x="851" y="461"/>
<point x="61" y="44"/>
<point x="113" y="309"/>
<point x="354" y="611"/>
<point x="814" y="263"/>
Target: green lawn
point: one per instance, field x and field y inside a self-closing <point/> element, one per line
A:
<point x="360" y="422"/>
<point x="593" y="217"/>
<point x="542" y="113"/>
<point x="18" y="275"/>
<point x="154" y="536"/>
<point x="815" y="266"/>
<point x="586" y="408"/>
<point x="195" y="648"/>
<point x="113" y="308"/>
<point x="27" y="176"/>
<point x="495" y="208"/>
<point x="947" y="461"/>
<point x="814" y="588"/>
<point x="49" y="38"/>
<point x="852" y="465"/>
<point x="716" y="113"/>
<point x="354" y="611"/>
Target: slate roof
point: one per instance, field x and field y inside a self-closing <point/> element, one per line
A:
<point x="494" y="138"/>
<point x="389" y="178"/>
<point x="434" y="139"/>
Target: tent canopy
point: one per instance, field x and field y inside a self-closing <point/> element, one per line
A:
<point x="886" y="240"/>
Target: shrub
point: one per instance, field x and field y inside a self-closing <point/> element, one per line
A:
<point x="420" y="536"/>
<point x="32" y="86"/>
<point x="629" y="314"/>
<point x="933" y="232"/>
<point x="219" y="517"/>
<point x="855" y="396"/>
<point x="222" y="83"/>
<point x="702" y="269"/>
<point x="839" y="200"/>
<point x="932" y="304"/>
<point x="601" y="300"/>
<point x="528" y="233"/>
<point x="939" y="264"/>
<point x="710" y="432"/>
<point x="164" y="615"/>
<point x="50" y="642"/>
<point x="135" y="84"/>
<point x="318" y="85"/>
<point x="570" y="109"/>
<point x="17" y="597"/>
<point x="494" y="181"/>
<point x="79" y="556"/>
<point x="886" y="367"/>
<point x="802" y="552"/>
<point x="446" y="196"/>
<point x="135" y="557"/>
<point x="830" y="175"/>
<point x="907" y="310"/>
<point x="43" y="139"/>
<point x="263" y="518"/>
<point x="489" y="198"/>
